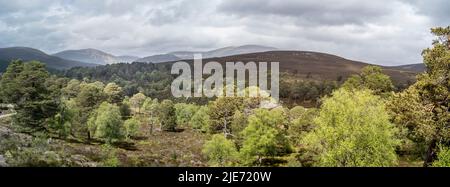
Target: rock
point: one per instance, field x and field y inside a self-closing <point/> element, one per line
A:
<point x="4" y="132"/>
<point x="3" y="161"/>
<point x="81" y="161"/>
<point x="8" y="134"/>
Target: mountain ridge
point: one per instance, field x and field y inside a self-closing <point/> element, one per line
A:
<point x="29" y="54"/>
<point x="224" y="51"/>
<point x="94" y="56"/>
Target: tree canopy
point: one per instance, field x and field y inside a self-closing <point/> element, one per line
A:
<point x="353" y="129"/>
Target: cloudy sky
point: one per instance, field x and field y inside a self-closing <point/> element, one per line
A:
<point x="387" y="32"/>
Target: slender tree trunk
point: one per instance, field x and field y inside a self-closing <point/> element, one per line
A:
<point x="89" y="135"/>
<point x="151" y="128"/>
<point x="431" y="153"/>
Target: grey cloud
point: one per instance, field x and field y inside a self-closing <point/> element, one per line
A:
<point x="383" y="32"/>
<point x="437" y="10"/>
<point x="320" y="12"/>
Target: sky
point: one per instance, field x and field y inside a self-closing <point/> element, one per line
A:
<point x="385" y="32"/>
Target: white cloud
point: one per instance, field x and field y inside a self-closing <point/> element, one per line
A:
<point x="382" y="32"/>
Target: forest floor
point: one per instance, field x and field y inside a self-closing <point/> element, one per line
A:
<point x="182" y="148"/>
<point x="177" y="149"/>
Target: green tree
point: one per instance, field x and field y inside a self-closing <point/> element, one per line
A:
<point x="166" y="115"/>
<point x="113" y="93"/>
<point x="424" y="107"/>
<point x="238" y="124"/>
<point x="125" y="110"/>
<point x="23" y="85"/>
<point x="61" y="123"/>
<point x="151" y="108"/>
<point x="371" y="78"/>
<point x="131" y="127"/>
<point x="221" y="113"/>
<point x="89" y="97"/>
<point x="220" y="151"/>
<point x="184" y="113"/>
<point x="107" y="123"/>
<point x="137" y="101"/>
<point x="353" y="129"/>
<point x="301" y="122"/>
<point x="264" y="136"/>
<point x="72" y="88"/>
<point x="201" y="120"/>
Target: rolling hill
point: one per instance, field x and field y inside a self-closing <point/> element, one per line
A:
<point x="28" y="54"/>
<point x="411" y="67"/>
<point x="94" y="56"/>
<point x="315" y="65"/>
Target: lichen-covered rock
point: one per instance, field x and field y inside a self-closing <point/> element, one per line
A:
<point x="81" y="161"/>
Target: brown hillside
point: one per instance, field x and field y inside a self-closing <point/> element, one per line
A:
<point x="314" y="65"/>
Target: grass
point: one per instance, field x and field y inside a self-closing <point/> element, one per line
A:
<point x="158" y="149"/>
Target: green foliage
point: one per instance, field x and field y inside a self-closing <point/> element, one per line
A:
<point x="200" y="120"/>
<point x="37" y="154"/>
<point x="371" y="78"/>
<point x="61" y="123"/>
<point x="184" y="113"/>
<point x="221" y="113"/>
<point x="166" y="115"/>
<point x="72" y="88"/>
<point x="137" y="101"/>
<point x="264" y="136"/>
<point x="109" y="156"/>
<point x="151" y="109"/>
<point x="305" y="91"/>
<point x="89" y="97"/>
<point x="131" y="127"/>
<point x="107" y="123"/>
<point x="238" y="124"/>
<point x="23" y="84"/>
<point x="301" y="122"/>
<point x="113" y="93"/>
<point x="153" y="80"/>
<point x="443" y="157"/>
<point x="220" y="151"/>
<point x="413" y="118"/>
<point x="125" y="110"/>
<point x="353" y="129"/>
<point x="423" y="109"/>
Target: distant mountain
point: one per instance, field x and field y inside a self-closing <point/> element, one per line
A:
<point x="89" y="56"/>
<point x="94" y="56"/>
<point x="159" y="58"/>
<point x="126" y="58"/>
<point x="28" y="54"/>
<point x="99" y="57"/>
<point x="411" y="67"/>
<point x="186" y="54"/>
<point x="226" y="51"/>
